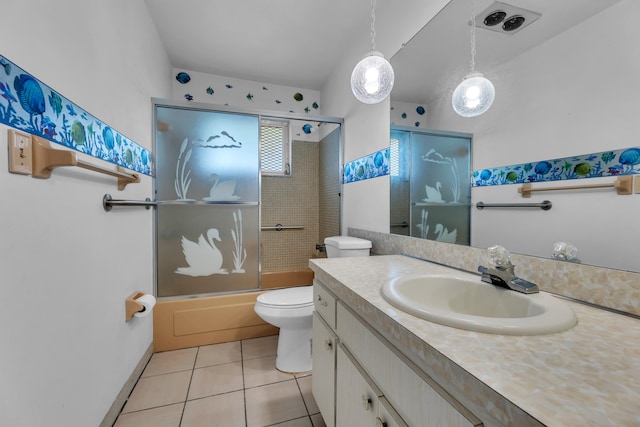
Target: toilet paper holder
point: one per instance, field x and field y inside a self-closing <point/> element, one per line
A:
<point x="132" y="306"/>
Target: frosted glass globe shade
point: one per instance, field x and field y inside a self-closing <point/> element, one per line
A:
<point x="473" y="96"/>
<point x="372" y="78"/>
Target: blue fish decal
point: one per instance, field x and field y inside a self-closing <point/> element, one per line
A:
<point x="188" y="97"/>
<point x="183" y="77"/>
<point x="630" y="156"/>
<point x="315" y="105"/>
<point x="6" y="65"/>
<point x="420" y="110"/>
<point x="278" y="101"/>
<point x="210" y="90"/>
<point x="29" y="94"/>
<point x="542" y="168"/>
<point x="71" y="110"/>
<point x="250" y="96"/>
<point x="228" y="86"/>
<point x="109" y="140"/>
<point x="307" y="128"/>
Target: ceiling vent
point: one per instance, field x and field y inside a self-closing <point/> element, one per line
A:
<point x="505" y="18"/>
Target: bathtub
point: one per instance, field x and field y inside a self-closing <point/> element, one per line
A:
<point x="193" y="322"/>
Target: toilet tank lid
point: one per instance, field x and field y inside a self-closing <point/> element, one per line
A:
<point x="347" y="242"/>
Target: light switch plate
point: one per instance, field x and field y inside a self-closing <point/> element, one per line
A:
<point x="20" y="159"/>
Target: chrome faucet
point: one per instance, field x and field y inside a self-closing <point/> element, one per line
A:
<point x="503" y="274"/>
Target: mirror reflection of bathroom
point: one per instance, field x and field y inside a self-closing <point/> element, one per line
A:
<point x="430" y="189"/>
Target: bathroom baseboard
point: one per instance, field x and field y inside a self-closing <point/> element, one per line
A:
<point x="120" y="400"/>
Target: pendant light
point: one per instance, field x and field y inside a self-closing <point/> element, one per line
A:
<point x="475" y="94"/>
<point x="372" y="78"/>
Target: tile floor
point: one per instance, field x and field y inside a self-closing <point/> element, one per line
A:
<point x="228" y="385"/>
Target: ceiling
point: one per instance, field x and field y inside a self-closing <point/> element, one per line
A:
<point x="285" y="42"/>
<point x="298" y="42"/>
<point x="437" y="58"/>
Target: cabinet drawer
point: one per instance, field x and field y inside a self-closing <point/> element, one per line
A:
<point x="325" y="304"/>
<point x="416" y="397"/>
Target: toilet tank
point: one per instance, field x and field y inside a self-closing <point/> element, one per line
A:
<point x="346" y="246"/>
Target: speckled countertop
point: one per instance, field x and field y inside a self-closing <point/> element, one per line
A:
<point x="587" y="376"/>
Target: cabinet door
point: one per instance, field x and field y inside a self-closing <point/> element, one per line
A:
<point x="415" y="396"/>
<point x="356" y="395"/>
<point x="323" y="383"/>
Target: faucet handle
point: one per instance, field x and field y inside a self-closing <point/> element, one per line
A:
<point x="500" y="257"/>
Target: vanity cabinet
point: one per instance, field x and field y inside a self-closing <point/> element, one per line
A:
<point x="374" y="384"/>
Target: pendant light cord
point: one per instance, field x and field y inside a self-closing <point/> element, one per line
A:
<point x="373" y="22"/>
<point x="472" y="63"/>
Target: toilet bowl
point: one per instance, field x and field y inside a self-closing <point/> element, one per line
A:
<point x="290" y="309"/>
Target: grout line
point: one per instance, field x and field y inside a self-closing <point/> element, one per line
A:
<point x="244" y="392"/>
<point x="186" y="397"/>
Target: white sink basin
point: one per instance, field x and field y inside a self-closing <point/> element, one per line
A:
<point x="478" y="306"/>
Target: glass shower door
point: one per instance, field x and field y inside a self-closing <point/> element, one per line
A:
<point x="440" y="191"/>
<point x="208" y="189"/>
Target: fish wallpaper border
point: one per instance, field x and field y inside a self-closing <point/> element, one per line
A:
<point x="370" y="166"/>
<point x="29" y="105"/>
<point x="625" y="161"/>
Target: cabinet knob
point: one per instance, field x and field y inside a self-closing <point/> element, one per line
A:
<point x="366" y="402"/>
<point x="328" y="344"/>
<point x="380" y="423"/>
<point x="321" y="302"/>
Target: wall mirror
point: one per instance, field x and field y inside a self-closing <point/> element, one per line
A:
<point x="562" y="89"/>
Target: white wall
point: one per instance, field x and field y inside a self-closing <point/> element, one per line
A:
<point x="66" y="266"/>
<point x="566" y="97"/>
<point x="365" y="204"/>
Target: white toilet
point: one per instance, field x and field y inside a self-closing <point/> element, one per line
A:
<point x="291" y="309"/>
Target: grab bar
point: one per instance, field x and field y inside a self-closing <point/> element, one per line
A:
<point x="403" y="224"/>
<point x="623" y="186"/>
<point x="45" y="159"/>
<point x="545" y="205"/>
<point x="108" y="203"/>
<point x="280" y="227"/>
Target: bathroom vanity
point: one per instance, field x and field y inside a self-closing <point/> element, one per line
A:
<point x="375" y="365"/>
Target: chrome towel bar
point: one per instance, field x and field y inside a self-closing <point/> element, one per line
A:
<point x="544" y="205"/>
<point x="108" y="203"/>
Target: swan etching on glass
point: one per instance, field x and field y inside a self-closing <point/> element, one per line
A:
<point x="433" y="194"/>
<point x="203" y="257"/>
<point x="444" y="235"/>
<point x="221" y="190"/>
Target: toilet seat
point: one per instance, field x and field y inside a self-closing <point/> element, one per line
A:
<point x="288" y="298"/>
